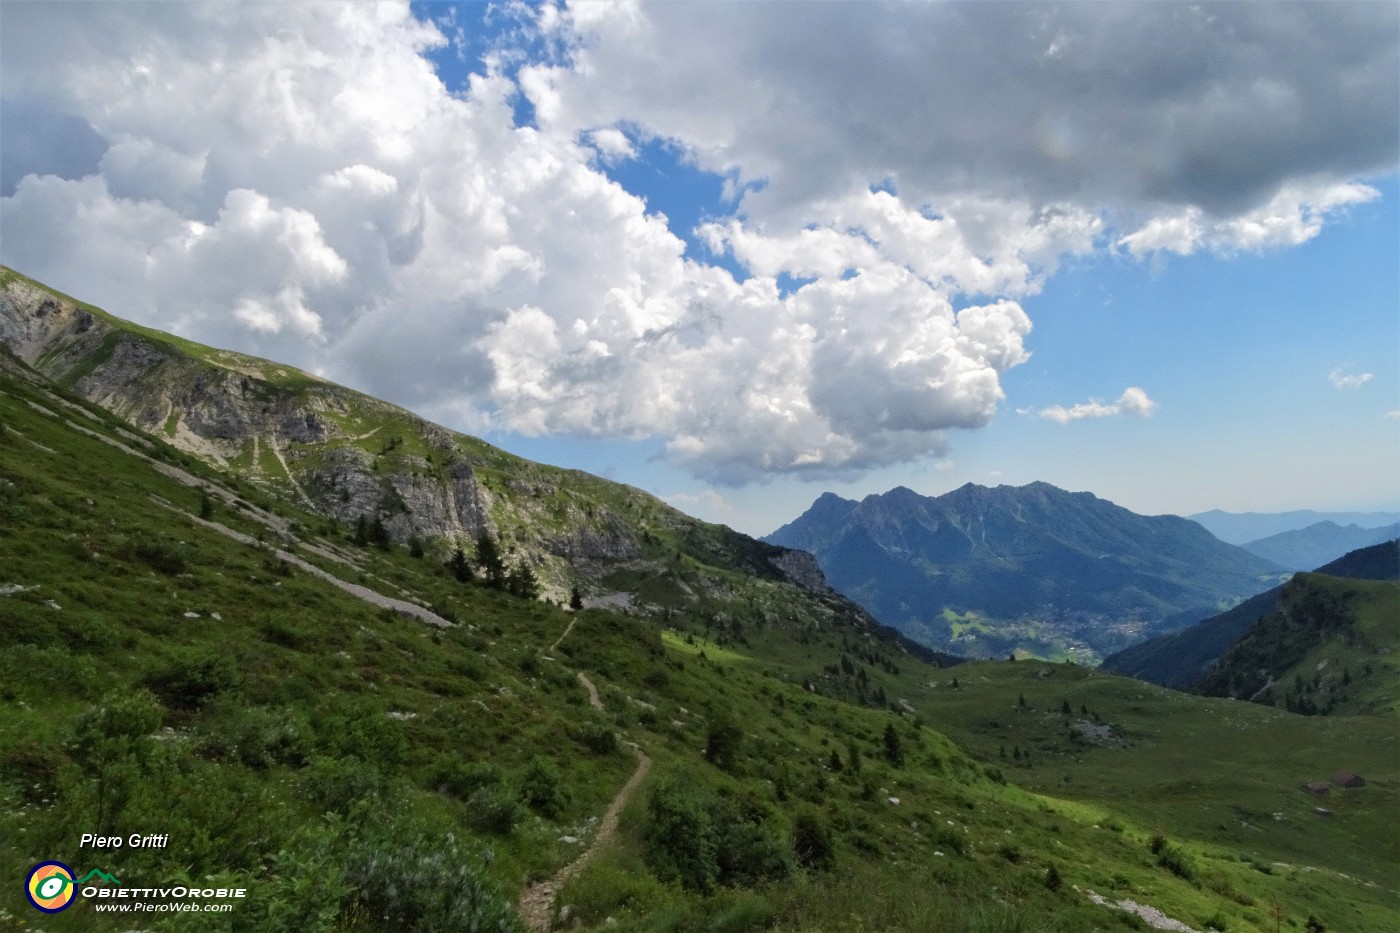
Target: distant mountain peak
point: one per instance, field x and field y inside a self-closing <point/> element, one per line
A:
<point x="1026" y="558"/>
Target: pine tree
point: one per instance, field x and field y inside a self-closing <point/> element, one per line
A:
<point x="459" y="565"/>
<point x="378" y="534"/>
<point x="575" y="598"/>
<point x="521" y="581"/>
<point x="894" y="748"/>
<point x="488" y="555"/>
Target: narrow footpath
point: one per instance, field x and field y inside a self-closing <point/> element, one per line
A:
<point x="537" y="900"/>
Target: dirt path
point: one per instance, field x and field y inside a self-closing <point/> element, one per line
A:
<point x="277" y="452"/>
<point x="1153" y="917"/>
<point x="558" y="641"/>
<point x="537" y="900"/>
<point x="593" y="699"/>
<point x="354" y="589"/>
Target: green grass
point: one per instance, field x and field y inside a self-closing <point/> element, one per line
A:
<point x="283" y="760"/>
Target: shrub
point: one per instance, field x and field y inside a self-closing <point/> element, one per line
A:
<point x="190" y="678"/>
<point x="812" y="841"/>
<point x="364" y="733"/>
<point x="946" y="839"/>
<point x="162" y="554"/>
<point x="723" y="740"/>
<point x="494" y="809"/>
<point x="122" y="724"/>
<point x="748" y="912"/>
<point x="411" y="879"/>
<point x="680" y="837"/>
<point x="263" y="738"/>
<point x="540" y="787"/>
<point x="598" y="738"/>
<point x="278" y="632"/>
<point x="336" y="784"/>
<point x="750" y="849"/>
<point x="451" y="775"/>
<point x="1175" y="861"/>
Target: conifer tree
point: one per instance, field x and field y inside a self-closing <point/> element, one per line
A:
<point x="488" y="555"/>
<point x="894" y="748"/>
<point x="459" y="565"/>
<point x="521" y="581"/>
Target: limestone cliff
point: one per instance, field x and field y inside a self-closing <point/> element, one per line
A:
<point x="341" y="454"/>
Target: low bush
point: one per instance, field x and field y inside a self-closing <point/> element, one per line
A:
<point x="164" y="555"/>
<point x="494" y="809"/>
<point x="542" y="789"/>
<point x="192" y="677"/>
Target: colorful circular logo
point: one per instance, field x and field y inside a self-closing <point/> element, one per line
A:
<point x="50" y="886"/>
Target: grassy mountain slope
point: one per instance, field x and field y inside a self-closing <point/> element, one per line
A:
<point x="174" y="659"/>
<point x="1223" y="774"/>
<point x="986" y="572"/>
<point x="344" y="457"/>
<point x="345" y="764"/>
<point x="1181" y="658"/>
<point x="1328" y="648"/>
<point x="1315" y="545"/>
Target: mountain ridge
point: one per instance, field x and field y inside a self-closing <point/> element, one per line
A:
<point x="353" y="458"/>
<point x="1180" y="659"/>
<point x="1319" y="543"/>
<point x="947" y="569"/>
<point x="1242" y="527"/>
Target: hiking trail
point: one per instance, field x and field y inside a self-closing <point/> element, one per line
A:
<point x="537" y="900"/>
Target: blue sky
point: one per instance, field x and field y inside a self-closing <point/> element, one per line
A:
<point x="738" y="255"/>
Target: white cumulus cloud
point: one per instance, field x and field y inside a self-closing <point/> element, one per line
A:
<point x="294" y="180"/>
<point x="1133" y="401"/>
<point x="1343" y="378"/>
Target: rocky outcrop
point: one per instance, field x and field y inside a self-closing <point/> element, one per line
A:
<point x="348" y="456"/>
<point x="802" y="568"/>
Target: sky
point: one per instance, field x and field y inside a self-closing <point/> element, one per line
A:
<point x="741" y="254"/>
